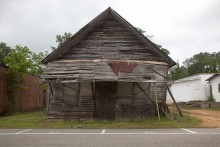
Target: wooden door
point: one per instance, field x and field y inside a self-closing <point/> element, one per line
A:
<point x="105" y="101"/>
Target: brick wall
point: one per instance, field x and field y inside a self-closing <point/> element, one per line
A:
<point x="31" y="97"/>
<point x="3" y="95"/>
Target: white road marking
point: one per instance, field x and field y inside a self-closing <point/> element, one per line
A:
<point x="23" y="131"/>
<point x="103" y="131"/>
<point x="149" y="132"/>
<point x="187" y="130"/>
<point x="52" y="133"/>
<point x="110" y="134"/>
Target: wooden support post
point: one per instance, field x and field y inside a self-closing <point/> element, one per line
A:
<point x="153" y="102"/>
<point x="48" y="101"/>
<point x="49" y="94"/>
<point x="93" y="93"/>
<point x="155" y="92"/>
<point x="79" y="91"/>
<point x="94" y="96"/>
<point x="65" y="85"/>
<point x="51" y="90"/>
<point x="161" y="75"/>
<point x="177" y="107"/>
<point x="142" y="89"/>
<point x="132" y="97"/>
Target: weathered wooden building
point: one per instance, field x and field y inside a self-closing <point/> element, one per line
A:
<point x="107" y="70"/>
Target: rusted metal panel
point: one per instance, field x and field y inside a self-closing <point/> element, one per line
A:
<point x="126" y="67"/>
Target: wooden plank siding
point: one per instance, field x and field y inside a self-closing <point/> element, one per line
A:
<point x="81" y="71"/>
<point x="110" y="40"/>
<point x="130" y="101"/>
<point x="77" y="103"/>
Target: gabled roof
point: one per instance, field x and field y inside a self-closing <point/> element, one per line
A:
<point x="81" y="33"/>
<point x="194" y="77"/>
<point x="214" y="76"/>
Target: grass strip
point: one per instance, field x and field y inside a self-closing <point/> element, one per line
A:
<point x="38" y="120"/>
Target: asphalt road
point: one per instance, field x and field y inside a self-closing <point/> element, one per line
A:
<point x="110" y="137"/>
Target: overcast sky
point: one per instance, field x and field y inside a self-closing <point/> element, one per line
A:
<point x="185" y="27"/>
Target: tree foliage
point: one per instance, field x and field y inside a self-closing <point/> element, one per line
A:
<point x="38" y="66"/>
<point x="164" y="50"/>
<point x="203" y="63"/>
<point x="177" y="72"/>
<point x="200" y="63"/>
<point x="4" y="51"/>
<point x="143" y="32"/>
<point x="20" y="61"/>
<point x="60" y="39"/>
<point x="19" y="64"/>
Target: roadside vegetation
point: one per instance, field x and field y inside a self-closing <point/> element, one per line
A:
<point x="38" y="120"/>
<point x="209" y="117"/>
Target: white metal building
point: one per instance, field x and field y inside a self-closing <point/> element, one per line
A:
<point x="215" y="84"/>
<point x="190" y="88"/>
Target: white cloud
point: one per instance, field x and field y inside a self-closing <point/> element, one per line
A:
<point x="185" y="27"/>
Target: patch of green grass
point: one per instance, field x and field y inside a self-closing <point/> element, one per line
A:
<point x="38" y="120"/>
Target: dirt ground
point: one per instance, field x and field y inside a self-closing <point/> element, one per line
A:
<point x="210" y="118"/>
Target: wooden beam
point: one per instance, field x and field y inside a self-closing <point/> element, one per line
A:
<point x="139" y="86"/>
<point x="70" y="87"/>
<point x="79" y="91"/>
<point x="142" y="89"/>
<point x="107" y="60"/>
<point x="94" y="97"/>
<point x="133" y="90"/>
<point x="48" y="101"/>
<point x="51" y="89"/>
<point x="177" y="107"/>
<point x="155" y="93"/>
<point x="160" y="75"/>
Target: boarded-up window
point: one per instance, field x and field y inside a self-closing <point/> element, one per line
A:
<point x="71" y="94"/>
<point x="124" y="93"/>
<point x="139" y="96"/>
<point x="57" y="91"/>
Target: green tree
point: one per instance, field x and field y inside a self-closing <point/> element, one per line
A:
<point x="143" y="32"/>
<point x="60" y="39"/>
<point x="4" y="50"/>
<point x="200" y="63"/>
<point x="165" y="51"/>
<point x="177" y="72"/>
<point x="203" y="63"/>
<point x="19" y="60"/>
<point x="38" y="66"/>
<point x="19" y="64"/>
